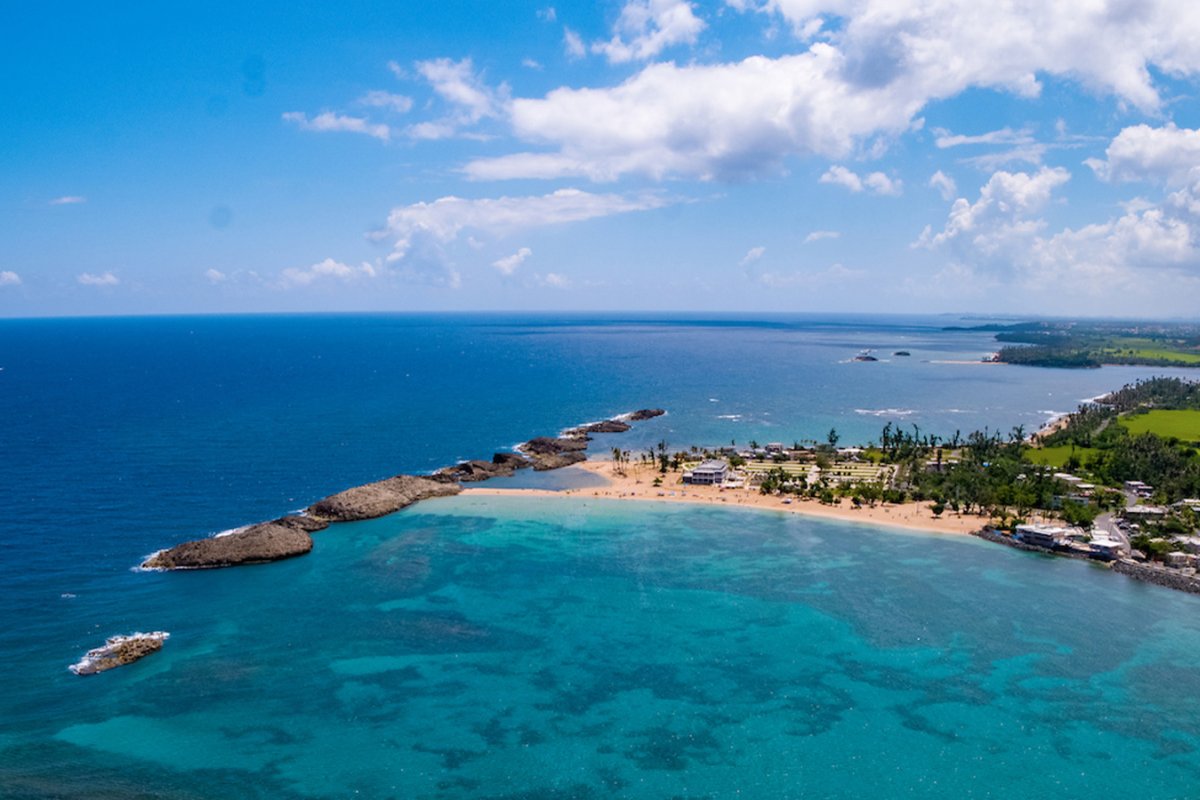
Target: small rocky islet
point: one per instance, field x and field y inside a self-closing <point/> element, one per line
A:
<point x="118" y="651"/>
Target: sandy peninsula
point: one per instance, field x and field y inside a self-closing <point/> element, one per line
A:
<point x="637" y="485"/>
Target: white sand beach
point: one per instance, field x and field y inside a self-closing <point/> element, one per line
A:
<point x="637" y="485"/>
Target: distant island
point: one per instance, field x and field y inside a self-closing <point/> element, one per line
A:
<point x="1073" y="344"/>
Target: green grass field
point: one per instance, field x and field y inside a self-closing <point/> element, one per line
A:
<point x="1183" y="425"/>
<point x="1150" y="350"/>
<point x="1057" y="456"/>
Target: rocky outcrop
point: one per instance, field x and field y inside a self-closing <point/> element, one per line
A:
<point x="550" y="446"/>
<point x="542" y="463"/>
<point x="1158" y="575"/>
<point x="379" y="498"/>
<point x="258" y="544"/>
<point x="289" y="536"/>
<point x="502" y="465"/>
<point x="553" y="453"/>
<point x="514" y="460"/>
<point x="605" y="426"/>
<point x="119" y="651"/>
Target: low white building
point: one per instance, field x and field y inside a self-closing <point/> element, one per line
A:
<point x="708" y="473"/>
<point x="1103" y="547"/>
<point x="1046" y="535"/>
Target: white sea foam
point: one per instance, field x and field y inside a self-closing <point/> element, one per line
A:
<point x="886" y="412"/>
<point x="734" y="417"/>
<point x="230" y="532"/>
<point x="140" y="568"/>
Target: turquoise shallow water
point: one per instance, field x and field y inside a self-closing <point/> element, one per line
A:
<point x="488" y="649"/>
<point x="499" y="647"/>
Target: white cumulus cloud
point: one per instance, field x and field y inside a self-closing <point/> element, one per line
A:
<point x="103" y="279"/>
<point x="752" y="255"/>
<point x="874" y="65"/>
<point x="457" y="83"/>
<point x="444" y="218"/>
<point x="215" y="276"/>
<point x="647" y="27"/>
<point x="573" y="44"/>
<point x="1004" y="136"/>
<point x="329" y="121"/>
<point x="327" y="269"/>
<point x="945" y="185"/>
<point x="68" y="200"/>
<point x="508" y="265"/>
<point x="9" y="278"/>
<point x="1115" y="266"/>
<point x="401" y="104"/>
<point x="1007" y="206"/>
<point x="1167" y="155"/>
<point x="424" y="233"/>
<point x="817" y="236"/>
<point x="553" y="280"/>
<point x="876" y="182"/>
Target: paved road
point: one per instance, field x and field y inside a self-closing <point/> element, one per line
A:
<point x="1107" y="523"/>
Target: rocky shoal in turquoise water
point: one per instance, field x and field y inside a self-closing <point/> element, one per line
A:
<point x="498" y="647"/>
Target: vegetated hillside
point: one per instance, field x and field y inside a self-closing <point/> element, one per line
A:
<point x="1125" y="437"/>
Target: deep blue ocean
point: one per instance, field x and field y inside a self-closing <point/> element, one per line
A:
<point x="563" y="648"/>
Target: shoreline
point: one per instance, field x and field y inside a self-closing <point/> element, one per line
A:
<point x="637" y="486"/>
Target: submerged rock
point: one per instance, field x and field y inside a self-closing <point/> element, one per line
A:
<point x="379" y="498"/>
<point x="119" y="651"/>
<point x="645" y="413"/>
<point x="258" y="544"/>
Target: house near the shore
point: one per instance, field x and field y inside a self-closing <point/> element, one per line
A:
<point x="1179" y="560"/>
<point x="1105" y="548"/>
<point x="1144" y="513"/>
<point x="1046" y="535"/>
<point x="1139" y="488"/>
<point x="708" y="473"/>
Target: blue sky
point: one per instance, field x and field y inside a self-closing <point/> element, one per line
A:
<point x="728" y="155"/>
